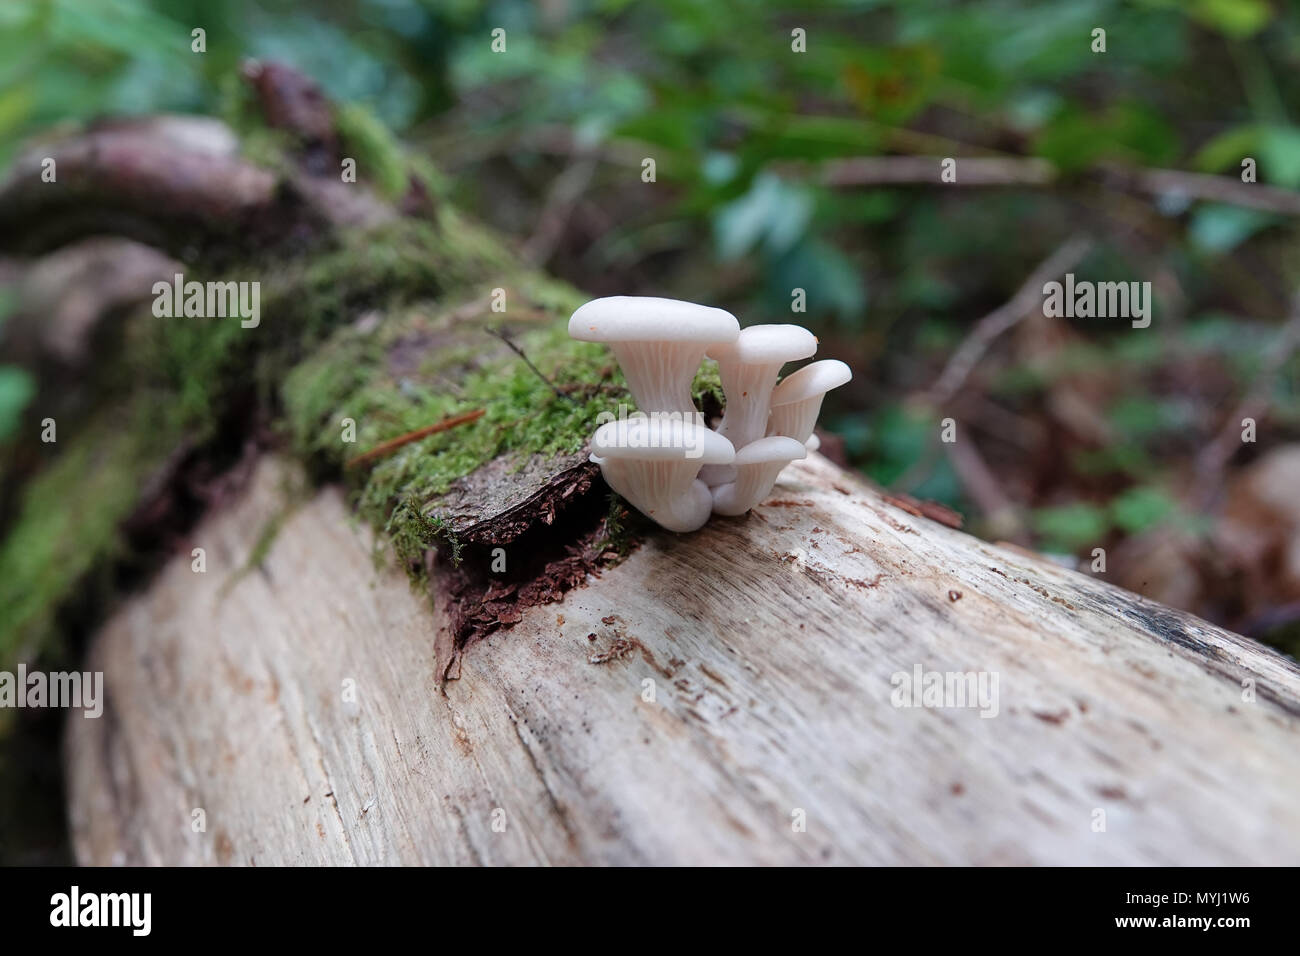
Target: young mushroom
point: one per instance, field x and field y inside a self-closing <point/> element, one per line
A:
<point x="749" y="367"/>
<point x="659" y="344"/>
<point x="797" y="401"/>
<point x="653" y="463"/>
<point x="757" y="466"/>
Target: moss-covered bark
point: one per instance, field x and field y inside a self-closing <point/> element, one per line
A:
<point x="385" y="318"/>
<point x="392" y="327"/>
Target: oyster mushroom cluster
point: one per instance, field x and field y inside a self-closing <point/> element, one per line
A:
<point x="664" y="459"/>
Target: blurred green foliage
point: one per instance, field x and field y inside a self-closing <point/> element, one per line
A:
<point x="740" y="125"/>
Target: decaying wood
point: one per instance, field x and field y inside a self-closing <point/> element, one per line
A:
<point x="167" y="181"/>
<point x="690" y="705"/>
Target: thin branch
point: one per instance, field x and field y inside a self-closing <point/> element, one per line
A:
<point x="504" y="337"/>
<point x="393" y="444"/>
<point x="1026" y="300"/>
<point x="919" y="170"/>
<point x="1220" y="189"/>
<point x="562" y="199"/>
<point x="985" y="489"/>
<point x="1035" y="172"/>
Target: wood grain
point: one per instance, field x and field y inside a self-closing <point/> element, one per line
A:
<point x="770" y="642"/>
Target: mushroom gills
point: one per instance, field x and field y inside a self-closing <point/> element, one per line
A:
<point x="758" y="465"/>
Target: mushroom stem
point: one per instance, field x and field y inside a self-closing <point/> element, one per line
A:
<point x="751" y="486"/>
<point x="748" y="368"/>
<point x="749" y="390"/>
<point x="663" y="491"/>
<point x="757" y="467"/>
<point x="653" y="463"/>
<point x="660" y="374"/>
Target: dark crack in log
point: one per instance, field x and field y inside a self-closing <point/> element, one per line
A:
<point x="525" y="537"/>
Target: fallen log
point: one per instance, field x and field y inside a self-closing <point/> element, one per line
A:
<point x="760" y="691"/>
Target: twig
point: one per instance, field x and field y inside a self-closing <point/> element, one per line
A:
<point x="985" y="489"/>
<point x="1221" y="189"/>
<point x="562" y="199"/>
<point x="394" y="443"/>
<point x="1003" y="318"/>
<point x="477" y="307"/>
<point x="501" y="334"/>
<point x="918" y="170"/>
<point x="1017" y="171"/>
<point x="1214" y="458"/>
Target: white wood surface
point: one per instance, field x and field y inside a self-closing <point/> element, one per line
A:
<point x="771" y="641"/>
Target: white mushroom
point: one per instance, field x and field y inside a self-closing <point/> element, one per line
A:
<point x="757" y="466"/>
<point x="659" y="343"/>
<point x="653" y="463"/>
<point x="749" y="367"/>
<point x="797" y="401"/>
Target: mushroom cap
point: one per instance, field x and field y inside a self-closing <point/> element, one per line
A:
<point x="815" y="379"/>
<point x="647" y="439"/>
<point x="643" y="318"/>
<point x="766" y="344"/>
<point x="773" y="448"/>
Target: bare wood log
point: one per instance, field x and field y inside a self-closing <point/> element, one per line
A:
<point x="771" y="644"/>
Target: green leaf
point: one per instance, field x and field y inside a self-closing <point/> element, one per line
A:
<point x="1279" y="155"/>
<point x="1229" y="148"/>
<point x="1125" y="131"/>
<point x="899" y="438"/>
<point x="1218" y="228"/>
<point x="1141" y="508"/>
<point x="773" y="213"/>
<point x="1071" y="527"/>
<point x="1234" y="18"/>
<point x="16" y="390"/>
<point x="832" y="281"/>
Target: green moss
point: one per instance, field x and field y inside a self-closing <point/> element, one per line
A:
<point x="381" y="158"/>
<point x="68" y="524"/>
<point x="350" y="378"/>
<point x="707" y="388"/>
<point x="177" y="380"/>
<point x="623" y="526"/>
<point x="258" y="143"/>
<point x="412" y="532"/>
